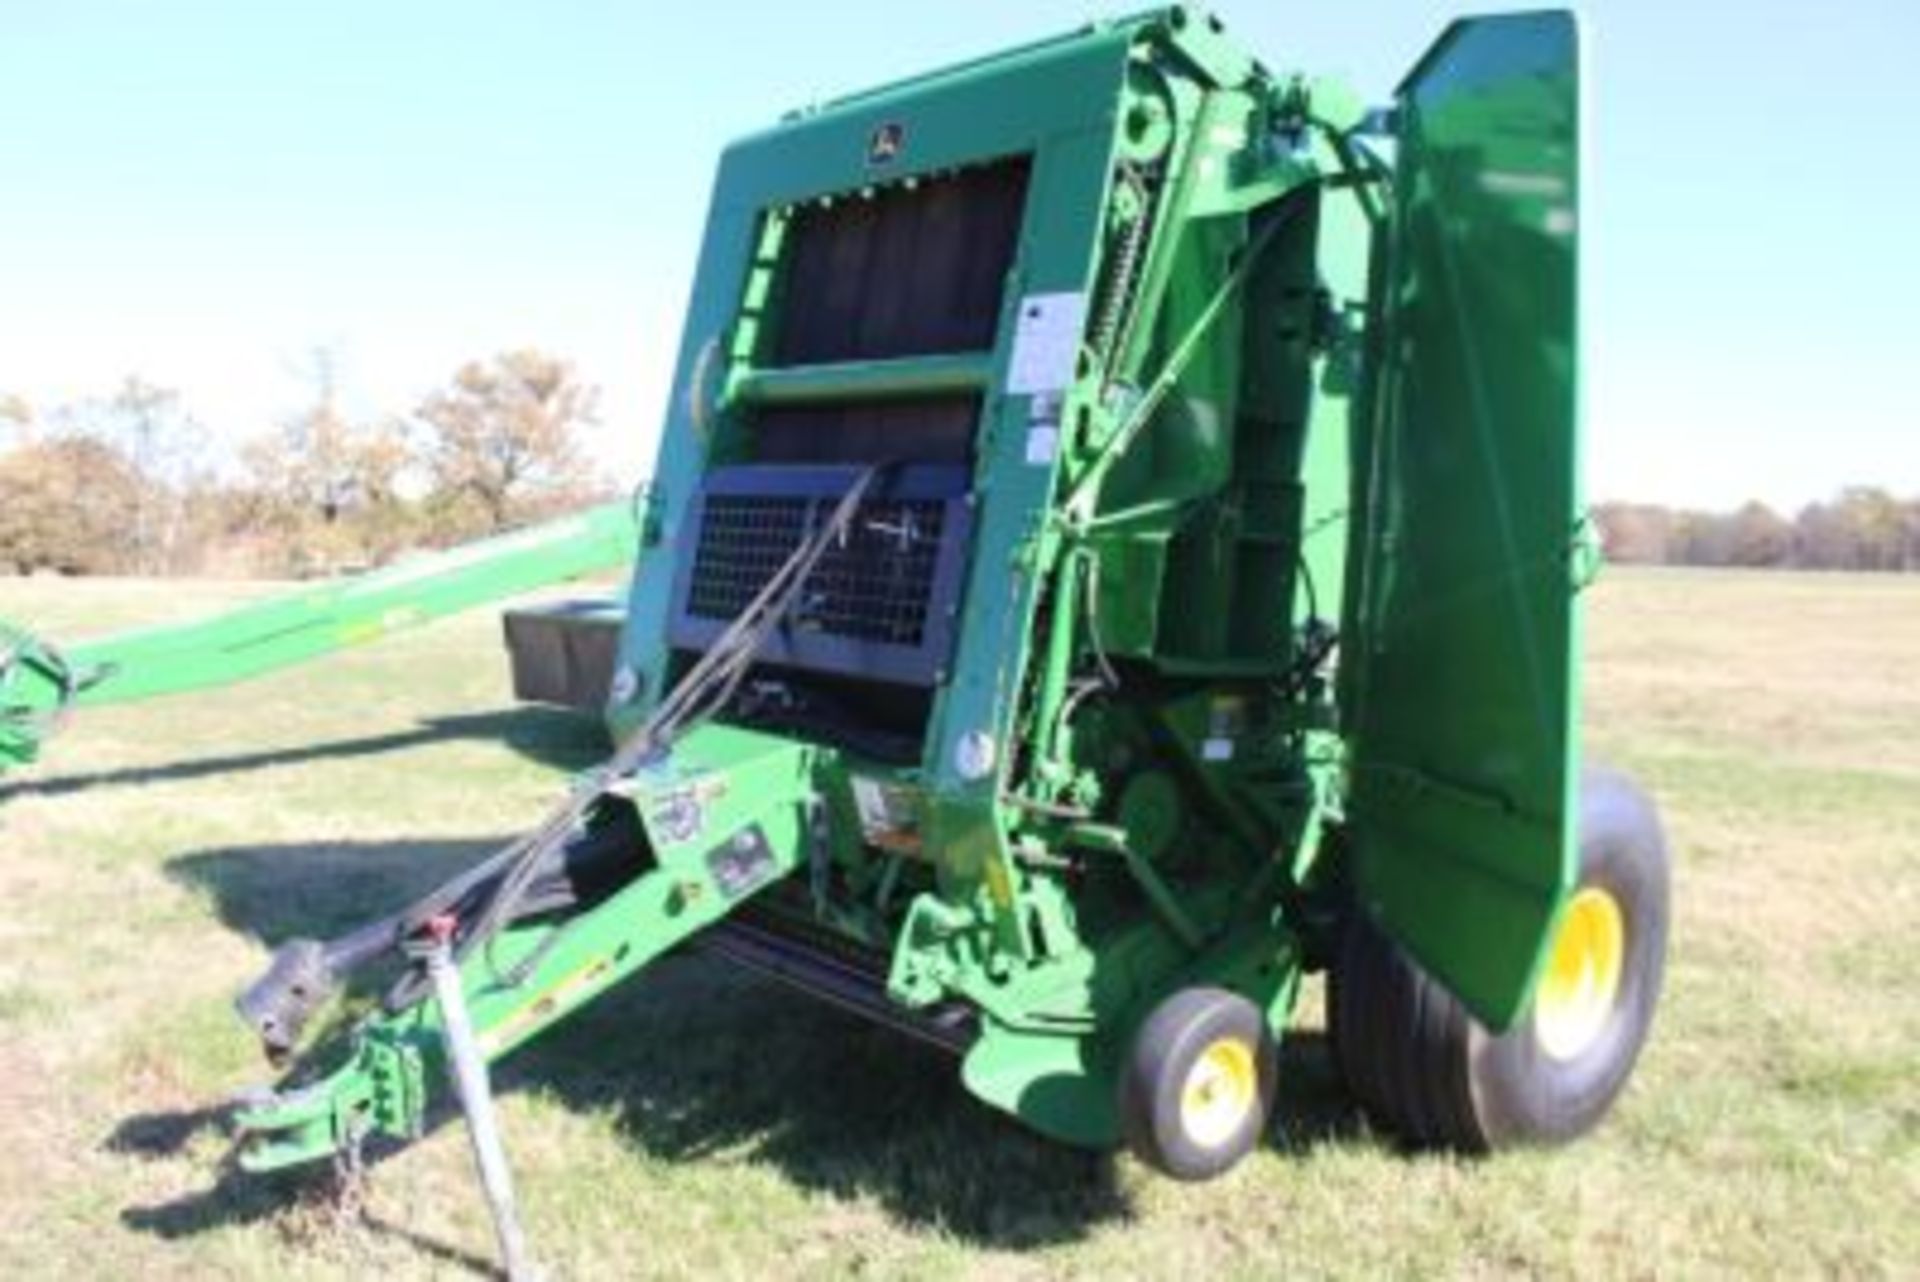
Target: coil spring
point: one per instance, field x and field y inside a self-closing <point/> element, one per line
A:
<point x="1126" y="263"/>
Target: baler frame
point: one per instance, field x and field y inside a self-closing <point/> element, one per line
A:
<point x="1114" y="550"/>
<point x="1177" y="195"/>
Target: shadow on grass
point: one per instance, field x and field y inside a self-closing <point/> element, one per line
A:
<point x="551" y="736"/>
<point x="1312" y="1108"/>
<point x="697" y="1061"/>
<point x="305" y="1204"/>
<point x="321" y="889"/>
<point x="276" y="893"/>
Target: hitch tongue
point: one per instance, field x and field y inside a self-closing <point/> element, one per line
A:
<point x="277" y="1129"/>
<point x="303" y="976"/>
<point x="277" y="1006"/>
<point x="379" y="1090"/>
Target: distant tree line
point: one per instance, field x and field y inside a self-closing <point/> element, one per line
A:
<point x="1862" y="528"/>
<point x="123" y="484"/>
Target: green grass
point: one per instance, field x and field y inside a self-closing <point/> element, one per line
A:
<point x="697" y="1122"/>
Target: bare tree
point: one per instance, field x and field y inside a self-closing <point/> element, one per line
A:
<point x="149" y="427"/>
<point x="1758" y="536"/>
<point x="65" y="499"/>
<point x="328" y="489"/>
<point x="16" y="423"/>
<point x="1636" y="533"/>
<point x="504" y="444"/>
<point x="1878" y="525"/>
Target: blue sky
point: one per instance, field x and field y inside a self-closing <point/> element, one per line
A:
<point x="204" y="192"/>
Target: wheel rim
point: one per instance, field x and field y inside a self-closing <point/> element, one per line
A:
<point x="1221" y="1089"/>
<point x="1582" y="978"/>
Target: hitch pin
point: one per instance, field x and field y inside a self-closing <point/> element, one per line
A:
<point x="468" y="1068"/>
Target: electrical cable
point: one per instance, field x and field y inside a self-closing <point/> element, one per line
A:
<point x="1090" y="603"/>
<point x="501" y="883"/>
<point x="1108" y="679"/>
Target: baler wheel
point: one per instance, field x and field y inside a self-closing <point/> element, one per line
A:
<point x="1427" y="1070"/>
<point x="1199" y="1083"/>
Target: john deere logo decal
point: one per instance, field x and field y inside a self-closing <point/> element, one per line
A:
<point x="886" y="143"/>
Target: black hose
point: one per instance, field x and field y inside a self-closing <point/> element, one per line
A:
<point x="503" y="881"/>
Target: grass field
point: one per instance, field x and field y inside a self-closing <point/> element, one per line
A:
<point x="699" y="1123"/>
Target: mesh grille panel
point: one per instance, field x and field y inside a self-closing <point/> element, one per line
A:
<point x="743" y="540"/>
<point x="874" y="588"/>
<point x="880" y="606"/>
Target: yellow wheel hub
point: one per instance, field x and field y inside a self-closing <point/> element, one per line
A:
<point x="1221" y="1089"/>
<point x="1582" y="978"/>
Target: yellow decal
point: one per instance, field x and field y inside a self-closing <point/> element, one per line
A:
<point x="550" y="1005"/>
<point x="998" y="885"/>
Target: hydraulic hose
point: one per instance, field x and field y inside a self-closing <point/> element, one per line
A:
<point x="508" y="884"/>
<point x="703" y="691"/>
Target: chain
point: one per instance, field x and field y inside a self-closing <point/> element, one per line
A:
<point x="348" y="1187"/>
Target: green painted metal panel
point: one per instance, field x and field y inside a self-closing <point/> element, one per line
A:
<point x="856" y="381"/>
<point x="726" y="816"/>
<point x="296" y="627"/>
<point x="316" y="621"/>
<point x="1054" y="103"/>
<point x="1463" y="653"/>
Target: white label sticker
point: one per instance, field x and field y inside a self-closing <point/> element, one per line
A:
<point x="1046" y="343"/>
<point x="1043" y="442"/>
<point x="1216" y="750"/>
<point x="871" y="801"/>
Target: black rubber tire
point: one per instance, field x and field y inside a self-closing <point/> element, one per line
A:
<point x="1426" y="1070"/>
<point x="1169" y="1042"/>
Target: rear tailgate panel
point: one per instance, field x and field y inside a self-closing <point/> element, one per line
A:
<point x="1464" y="687"/>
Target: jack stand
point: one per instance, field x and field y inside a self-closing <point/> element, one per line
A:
<point x="468" y="1068"/>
